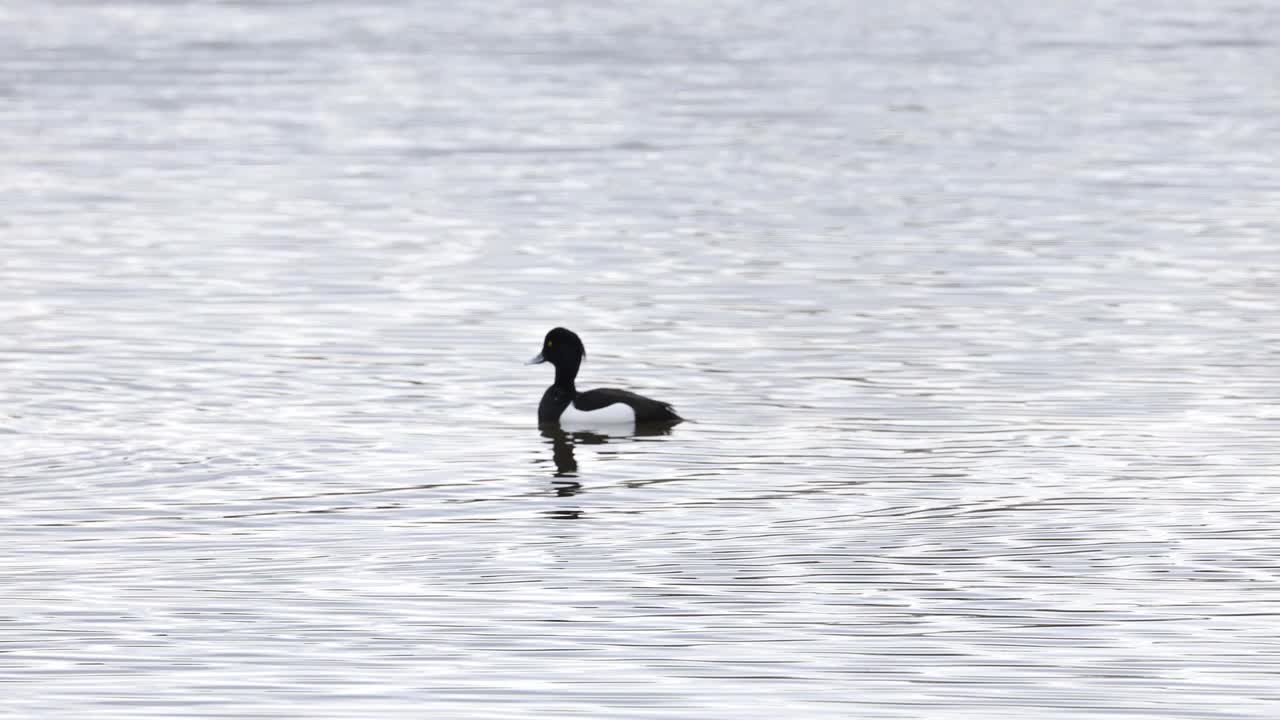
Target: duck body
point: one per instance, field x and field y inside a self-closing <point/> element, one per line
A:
<point x="603" y="405"/>
<point x="562" y="404"/>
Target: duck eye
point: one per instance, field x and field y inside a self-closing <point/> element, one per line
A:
<point x="548" y="343"/>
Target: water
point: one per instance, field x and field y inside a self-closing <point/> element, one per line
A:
<point x="975" y="311"/>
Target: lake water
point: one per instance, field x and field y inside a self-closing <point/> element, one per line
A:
<point x="975" y="310"/>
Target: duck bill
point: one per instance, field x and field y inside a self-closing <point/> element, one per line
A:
<point x="536" y="359"/>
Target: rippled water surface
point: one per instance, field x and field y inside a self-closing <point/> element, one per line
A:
<point x="975" y="309"/>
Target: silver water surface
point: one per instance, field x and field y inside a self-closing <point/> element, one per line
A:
<point x="975" y="310"/>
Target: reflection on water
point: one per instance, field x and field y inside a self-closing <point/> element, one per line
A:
<point x="562" y="449"/>
<point x="975" y="309"/>
<point x="565" y="459"/>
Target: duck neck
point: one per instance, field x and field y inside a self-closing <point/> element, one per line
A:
<point x="565" y="375"/>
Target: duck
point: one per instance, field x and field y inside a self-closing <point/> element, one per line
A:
<point x="563" y="405"/>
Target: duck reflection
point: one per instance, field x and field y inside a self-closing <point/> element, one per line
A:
<point x="564" y="442"/>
